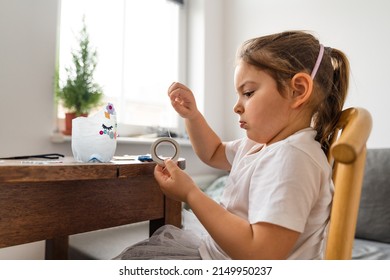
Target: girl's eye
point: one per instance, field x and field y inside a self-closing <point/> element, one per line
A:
<point x="248" y="93"/>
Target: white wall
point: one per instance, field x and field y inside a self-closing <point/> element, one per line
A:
<point x="360" y="28"/>
<point x="206" y="59"/>
<point x="27" y="60"/>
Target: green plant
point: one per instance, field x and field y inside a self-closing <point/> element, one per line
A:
<point x="80" y="93"/>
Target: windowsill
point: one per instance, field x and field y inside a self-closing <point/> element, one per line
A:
<point x="61" y="138"/>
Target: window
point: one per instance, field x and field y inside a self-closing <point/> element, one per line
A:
<point x="139" y="45"/>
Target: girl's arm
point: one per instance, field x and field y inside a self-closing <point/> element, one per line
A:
<point x="206" y="144"/>
<point x="236" y="236"/>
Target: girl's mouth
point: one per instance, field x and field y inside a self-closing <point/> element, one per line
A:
<point x="243" y="124"/>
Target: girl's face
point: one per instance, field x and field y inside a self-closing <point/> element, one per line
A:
<point x="263" y="112"/>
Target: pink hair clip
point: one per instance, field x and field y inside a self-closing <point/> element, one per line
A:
<point x="318" y="62"/>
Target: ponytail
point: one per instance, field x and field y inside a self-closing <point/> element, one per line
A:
<point x="334" y="95"/>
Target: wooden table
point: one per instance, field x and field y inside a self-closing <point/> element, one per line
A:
<point x="52" y="201"/>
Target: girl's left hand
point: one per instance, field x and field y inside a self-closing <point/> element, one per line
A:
<point x="173" y="181"/>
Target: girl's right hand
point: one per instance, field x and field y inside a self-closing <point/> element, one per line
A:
<point x="183" y="100"/>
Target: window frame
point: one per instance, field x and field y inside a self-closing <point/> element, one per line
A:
<point x="131" y="130"/>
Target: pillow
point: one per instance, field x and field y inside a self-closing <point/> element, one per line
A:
<point x="216" y="188"/>
<point x="374" y="211"/>
<point x="213" y="189"/>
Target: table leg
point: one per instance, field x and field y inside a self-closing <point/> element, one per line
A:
<point x="57" y="248"/>
<point x="172" y="216"/>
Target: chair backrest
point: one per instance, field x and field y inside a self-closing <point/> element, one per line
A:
<point x="347" y="155"/>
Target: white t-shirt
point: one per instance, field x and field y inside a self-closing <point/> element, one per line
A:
<point x="288" y="183"/>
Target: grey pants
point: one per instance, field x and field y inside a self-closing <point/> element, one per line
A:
<point x="167" y="243"/>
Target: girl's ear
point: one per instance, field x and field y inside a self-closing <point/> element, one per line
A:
<point x="302" y="86"/>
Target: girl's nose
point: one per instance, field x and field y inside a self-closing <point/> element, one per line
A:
<point x="238" y="109"/>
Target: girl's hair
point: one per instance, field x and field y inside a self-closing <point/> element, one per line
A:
<point x="285" y="54"/>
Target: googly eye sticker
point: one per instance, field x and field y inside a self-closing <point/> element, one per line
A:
<point x="153" y="150"/>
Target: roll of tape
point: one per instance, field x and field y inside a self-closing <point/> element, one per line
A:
<point x="153" y="150"/>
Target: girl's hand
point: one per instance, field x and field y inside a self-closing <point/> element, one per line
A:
<point x="173" y="181"/>
<point x="183" y="100"/>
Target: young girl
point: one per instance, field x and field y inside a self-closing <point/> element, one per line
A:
<point x="276" y="204"/>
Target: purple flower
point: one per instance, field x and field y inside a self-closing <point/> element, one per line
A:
<point x="110" y="108"/>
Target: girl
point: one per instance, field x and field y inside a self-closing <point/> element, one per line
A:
<point x="276" y="204"/>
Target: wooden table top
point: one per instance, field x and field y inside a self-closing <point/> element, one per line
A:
<point x="13" y="171"/>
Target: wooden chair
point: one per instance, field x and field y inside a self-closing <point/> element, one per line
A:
<point x="347" y="155"/>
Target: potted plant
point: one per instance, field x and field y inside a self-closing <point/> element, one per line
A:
<point x="80" y="93"/>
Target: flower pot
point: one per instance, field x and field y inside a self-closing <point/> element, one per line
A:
<point x="68" y="122"/>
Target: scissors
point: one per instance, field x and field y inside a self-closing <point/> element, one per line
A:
<point x="45" y="156"/>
